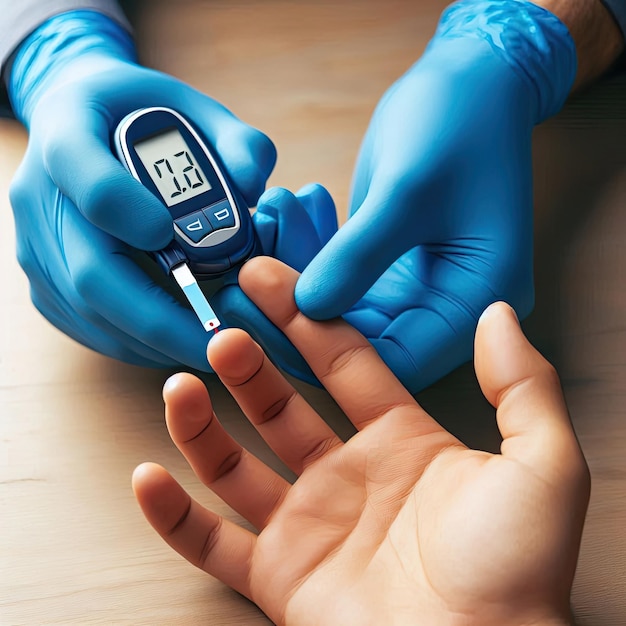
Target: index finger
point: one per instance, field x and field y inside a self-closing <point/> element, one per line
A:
<point x="341" y="358"/>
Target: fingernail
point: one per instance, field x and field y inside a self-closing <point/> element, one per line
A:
<point x="170" y="384"/>
<point x="494" y="307"/>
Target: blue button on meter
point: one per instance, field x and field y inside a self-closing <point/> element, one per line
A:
<point x="195" y="226"/>
<point x="213" y="229"/>
<point x="220" y="215"/>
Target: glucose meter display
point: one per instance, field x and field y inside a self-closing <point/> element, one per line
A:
<point x="172" y="167"/>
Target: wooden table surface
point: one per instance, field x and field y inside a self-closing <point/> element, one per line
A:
<point x="74" y="548"/>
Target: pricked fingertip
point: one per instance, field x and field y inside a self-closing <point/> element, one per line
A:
<point x="237" y="359"/>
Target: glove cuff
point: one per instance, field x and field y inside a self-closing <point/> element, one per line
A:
<point x="64" y="38"/>
<point x="530" y="39"/>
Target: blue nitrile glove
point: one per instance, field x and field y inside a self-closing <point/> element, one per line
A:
<point x="441" y="210"/>
<point x="80" y="217"/>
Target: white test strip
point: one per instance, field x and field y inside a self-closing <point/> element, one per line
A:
<point x="187" y="282"/>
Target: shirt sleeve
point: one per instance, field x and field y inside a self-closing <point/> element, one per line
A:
<point x="617" y="8"/>
<point x="20" y="18"/>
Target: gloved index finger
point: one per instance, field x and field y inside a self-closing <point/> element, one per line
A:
<point x="78" y="157"/>
<point x="355" y="257"/>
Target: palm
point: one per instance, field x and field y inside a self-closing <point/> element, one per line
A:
<point x="345" y="527"/>
<point x="430" y="296"/>
<point x="400" y="521"/>
<point x="350" y="497"/>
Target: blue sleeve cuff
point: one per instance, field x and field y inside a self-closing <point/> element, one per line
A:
<point x="20" y="19"/>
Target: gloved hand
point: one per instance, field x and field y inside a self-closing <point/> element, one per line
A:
<point x="441" y="210"/>
<point x="81" y="218"/>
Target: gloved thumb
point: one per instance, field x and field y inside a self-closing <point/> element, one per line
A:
<point x="355" y="257"/>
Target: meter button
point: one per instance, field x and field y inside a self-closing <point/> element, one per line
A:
<point x="220" y="215"/>
<point x="195" y="226"/>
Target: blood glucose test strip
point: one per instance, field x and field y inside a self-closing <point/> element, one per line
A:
<point x="185" y="279"/>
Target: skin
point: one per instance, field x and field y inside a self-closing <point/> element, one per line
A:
<point x="598" y="39"/>
<point x="402" y="524"/>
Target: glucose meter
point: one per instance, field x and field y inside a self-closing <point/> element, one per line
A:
<point x="163" y="151"/>
<point x="213" y="231"/>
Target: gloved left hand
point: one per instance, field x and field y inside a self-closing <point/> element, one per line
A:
<point x="82" y="220"/>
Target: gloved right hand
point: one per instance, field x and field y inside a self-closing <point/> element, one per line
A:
<point x="441" y="211"/>
<point x="80" y="217"/>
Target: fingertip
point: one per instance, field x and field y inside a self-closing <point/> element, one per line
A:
<point x="235" y="356"/>
<point x="146" y="476"/>
<point x="223" y="343"/>
<point x="320" y="206"/>
<point x="296" y="240"/>
<point x="503" y="356"/>
<point x="188" y="407"/>
<point x="131" y="214"/>
<point x="312" y="189"/>
<point x="496" y="309"/>
<point x="337" y="277"/>
<point x="225" y="334"/>
<point x="498" y="320"/>
<point x="175" y="383"/>
<point x="106" y="193"/>
<point x="273" y="198"/>
<point x="356" y="256"/>
<point x="266" y="227"/>
<point x="316" y="198"/>
<point x="263" y="151"/>
<point x="143" y="470"/>
<point x="159" y="495"/>
<point x="320" y="299"/>
<point x="263" y="276"/>
<point x="252" y="267"/>
<point x="169" y="386"/>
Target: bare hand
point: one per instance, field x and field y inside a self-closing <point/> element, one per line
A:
<point x="403" y="524"/>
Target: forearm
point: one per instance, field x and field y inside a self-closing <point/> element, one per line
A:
<point x="598" y="38"/>
<point x="71" y="45"/>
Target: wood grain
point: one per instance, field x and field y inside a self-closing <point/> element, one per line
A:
<point x="74" y="548"/>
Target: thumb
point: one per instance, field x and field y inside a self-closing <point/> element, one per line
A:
<point x="355" y="257"/>
<point x="525" y="389"/>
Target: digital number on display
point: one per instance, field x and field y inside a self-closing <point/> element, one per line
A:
<point x="172" y="167"/>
